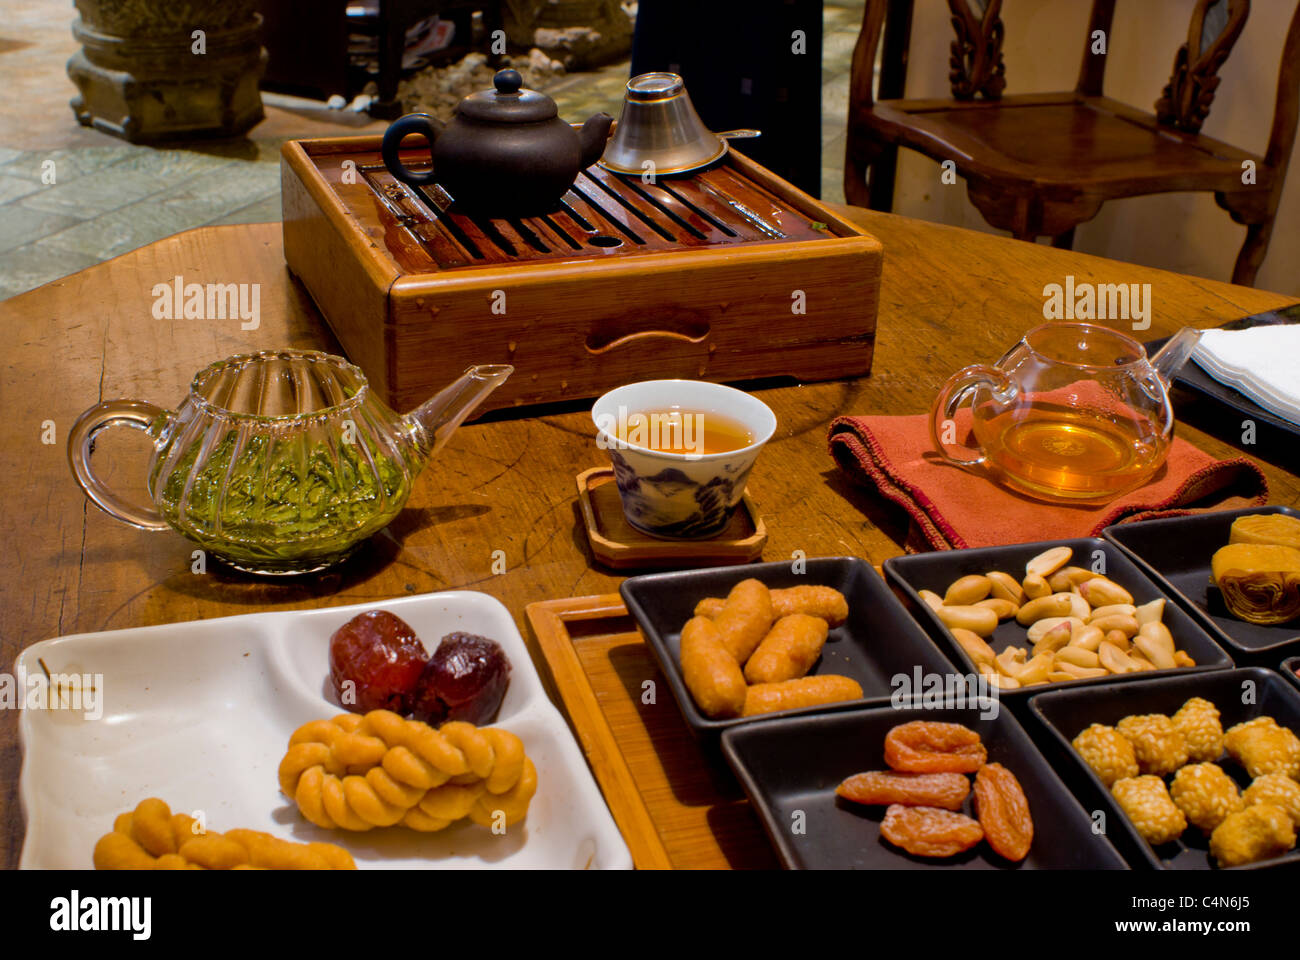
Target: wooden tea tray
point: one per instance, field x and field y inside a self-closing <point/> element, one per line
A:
<point x="618" y="544"/>
<point x="679" y="807"/>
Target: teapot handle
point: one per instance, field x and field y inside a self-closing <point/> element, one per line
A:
<point x="136" y="414"/>
<point x="420" y="123"/>
<point x="953" y="394"/>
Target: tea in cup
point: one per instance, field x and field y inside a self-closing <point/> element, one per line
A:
<point x="682" y="451"/>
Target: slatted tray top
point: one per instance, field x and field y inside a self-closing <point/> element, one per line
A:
<point x="603" y="214"/>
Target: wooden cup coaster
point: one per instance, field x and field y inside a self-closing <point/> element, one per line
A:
<point x="616" y="543"/>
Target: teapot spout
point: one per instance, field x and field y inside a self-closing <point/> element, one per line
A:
<point x="1170" y="358"/>
<point x="433" y="422"/>
<point x="592" y="136"/>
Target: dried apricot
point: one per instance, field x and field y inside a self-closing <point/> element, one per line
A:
<point x="929" y="831"/>
<point x="947" y="790"/>
<point x="927" y="747"/>
<point x="1003" y="811"/>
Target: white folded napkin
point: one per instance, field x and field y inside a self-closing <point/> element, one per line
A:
<point x="1261" y="362"/>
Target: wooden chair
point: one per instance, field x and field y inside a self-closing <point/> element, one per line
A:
<point x="1040" y="164"/>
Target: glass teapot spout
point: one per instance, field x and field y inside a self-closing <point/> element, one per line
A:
<point x="1169" y="359"/>
<point x="434" y="421"/>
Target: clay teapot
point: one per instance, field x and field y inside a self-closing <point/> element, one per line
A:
<point x="506" y="152"/>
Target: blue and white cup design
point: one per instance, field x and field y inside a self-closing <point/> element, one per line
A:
<point x="679" y="496"/>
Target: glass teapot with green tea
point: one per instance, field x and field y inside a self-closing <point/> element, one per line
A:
<point x="279" y="462"/>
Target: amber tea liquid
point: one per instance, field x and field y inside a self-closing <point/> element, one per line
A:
<point x="675" y="430"/>
<point x="1066" y="453"/>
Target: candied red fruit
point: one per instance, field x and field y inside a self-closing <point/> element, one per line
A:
<point x="375" y="662"/>
<point x="465" y="679"/>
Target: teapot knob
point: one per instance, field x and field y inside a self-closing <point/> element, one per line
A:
<point x="508" y="81"/>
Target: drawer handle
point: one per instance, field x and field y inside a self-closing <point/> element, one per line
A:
<point x="598" y="343"/>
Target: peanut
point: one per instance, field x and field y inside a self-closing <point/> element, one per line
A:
<point x="1152" y="612"/>
<point x="1060" y="582"/>
<point x="1053" y="605"/>
<point x="1115" y="660"/>
<point x="1087" y="638"/>
<point x="1117" y="639"/>
<point x="1005" y="609"/>
<point x="1142" y="662"/>
<point x="967" y="590"/>
<point x="974" y="645"/>
<point x="1183" y="659"/>
<point x="1101" y="592"/>
<point x="1048" y="562"/>
<point x="1035" y="587"/>
<point x="1040" y="627"/>
<point x="979" y="620"/>
<point x="1003" y="682"/>
<point x="1115" y="610"/>
<point x="1081" y="673"/>
<point x="1077" y="656"/>
<point x="1006" y="587"/>
<point x="1155" y="651"/>
<point x="1054" y="639"/>
<point x="1125" y="625"/>
<point x="1078" y="606"/>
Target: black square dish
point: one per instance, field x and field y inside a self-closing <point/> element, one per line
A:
<point x="791" y="767"/>
<point x="1064" y="714"/>
<point x="935" y="571"/>
<point x="1176" y="554"/>
<point x="877" y="642"/>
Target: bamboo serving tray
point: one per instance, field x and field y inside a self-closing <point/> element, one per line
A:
<point x="726" y="274"/>
<point x="678" y="807"/>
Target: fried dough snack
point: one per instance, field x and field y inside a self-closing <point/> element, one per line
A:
<point x="811" y="600"/>
<point x="1159" y="745"/>
<point x="357" y="772"/>
<point x="1261" y="746"/>
<point x="1260" y="583"/>
<point x="745" y="618"/>
<point x="803" y="692"/>
<point x="1198" y="721"/>
<point x="1206" y="795"/>
<point x="1110" y="756"/>
<point x="788" y="651"/>
<point x="1256" y="833"/>
<point x="710" y="672"/>
<point x="1146" y="802"/>
<point x="153" y="838"/>
<point x="1277" y="789"/>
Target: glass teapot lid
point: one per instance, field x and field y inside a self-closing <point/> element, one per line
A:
<point x="508" y="102"/>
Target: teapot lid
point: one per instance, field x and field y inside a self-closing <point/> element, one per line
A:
<point x="509" y="102"/>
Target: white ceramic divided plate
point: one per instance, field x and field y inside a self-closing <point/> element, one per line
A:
<point x="200" y="714"/>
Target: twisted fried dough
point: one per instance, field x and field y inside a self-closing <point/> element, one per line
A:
<point x="376" y="770"/>
<point x="153" y="838"/>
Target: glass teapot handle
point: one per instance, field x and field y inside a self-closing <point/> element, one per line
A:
<point x="136" y="414"/>
<point x="954" y="393"/>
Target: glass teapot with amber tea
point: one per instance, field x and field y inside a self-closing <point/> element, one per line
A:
<point x="279" y="462"/>
<point x="1073" y="413"/>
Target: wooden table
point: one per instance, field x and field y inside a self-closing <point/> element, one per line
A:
<point x="949" y="297"/>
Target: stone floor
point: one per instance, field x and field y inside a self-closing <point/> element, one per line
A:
<point x="71" y="197"/>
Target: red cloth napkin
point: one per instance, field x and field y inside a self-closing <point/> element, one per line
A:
<point x="954" y="508"/>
